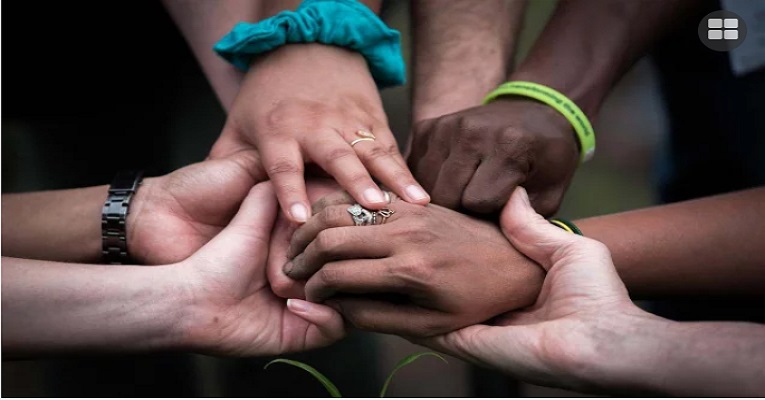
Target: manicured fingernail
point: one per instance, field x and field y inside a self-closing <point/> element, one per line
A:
<point x="299" y="212"/>
<point x="415" y="192"/>
<point x="298" y="306"/>
<point x="373" y="196"/>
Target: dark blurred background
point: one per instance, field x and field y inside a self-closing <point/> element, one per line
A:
<point x="77" y="110"/>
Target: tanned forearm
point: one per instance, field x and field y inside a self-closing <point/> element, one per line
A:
<point x="705" y="247"/>
<point x="53" y="308"/>
<point x="589" y="44"/>
<point x="462" y="50"/>
<point x="58" y="225"/>
<point x="204" y="22"/>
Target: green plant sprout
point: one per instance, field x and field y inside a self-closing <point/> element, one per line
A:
<point x="332" y="389"/>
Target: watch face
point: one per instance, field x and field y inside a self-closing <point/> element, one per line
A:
<point x="126" y="180"/>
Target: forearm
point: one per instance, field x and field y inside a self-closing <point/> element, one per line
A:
<point x="685" y="359"/>
<point x="51" y="308"/>
<point x="204" y="22"/>
<point x="589" y="44"/>
<point x="60" y="225"/>
<point x="705" y="247"/>
<point x="462" y="50"/>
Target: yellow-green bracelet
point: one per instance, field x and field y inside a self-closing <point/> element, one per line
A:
<point x="566" y="225"/>
<point x="559" y="102"/>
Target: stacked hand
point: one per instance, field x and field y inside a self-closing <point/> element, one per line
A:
<point x="427" y="270"/>
<point x="582" y="319"/>
<point x="474" y="159"/>
<point x="227" y="305"/>
<point x="306" y="104"/>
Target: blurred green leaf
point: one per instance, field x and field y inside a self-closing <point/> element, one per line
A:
<point x="406" y="361"/>
<point x="331" y="388"/>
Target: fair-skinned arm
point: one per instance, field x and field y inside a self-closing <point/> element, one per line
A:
<point x="303" y="104"/>
<point x="486" y="151"/>
<point x="584" y="333"/>
<point x="217" y="301"/>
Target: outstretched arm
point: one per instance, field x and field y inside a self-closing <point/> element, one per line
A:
<point x="704" y="247"/>
<point x="60" y="225"/>
<point x="584" y="333"/>
<point x="52" y="308"/>
<point x="216" y="301"/>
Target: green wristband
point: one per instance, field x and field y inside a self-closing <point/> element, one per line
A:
<point x="566" y="225"/>
<point x="559" y="102"/>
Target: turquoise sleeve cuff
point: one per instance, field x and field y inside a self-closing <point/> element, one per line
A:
<point x="344" y="23"/>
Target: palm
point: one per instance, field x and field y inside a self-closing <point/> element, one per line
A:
<point x="187" y="208"/>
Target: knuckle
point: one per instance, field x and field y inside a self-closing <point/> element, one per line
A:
<point x="333" y="216"/>
<point x="329" y="276"/>
<point x="548" y="207"/>
<point x="414" y="272"/>
<point x="376" y="152"/>
<point x="431" y="327"/>
<point x="326" y="241"/>
<point x="482" y="204"/>
<point x="337" y="153"/>
<point x="391" y="148"/>
<point x="284" y="166"/>
<point x="358" y="178"/>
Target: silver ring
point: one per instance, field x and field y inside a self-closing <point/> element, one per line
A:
<point x="361" y="216"/>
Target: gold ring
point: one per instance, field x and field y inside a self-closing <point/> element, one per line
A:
<point x="364" y="136"/>
<point x="353" y="143"/>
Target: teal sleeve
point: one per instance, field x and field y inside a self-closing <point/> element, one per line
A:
<point x="344" y="23"/>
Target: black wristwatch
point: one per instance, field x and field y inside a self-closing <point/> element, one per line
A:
<point x="114" y="216"/>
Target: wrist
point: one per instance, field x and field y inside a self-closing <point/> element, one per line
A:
<point x="630" y="348"/>
<point x="307" y="58"/>
<point x="171" y="308"/>
<point x="140" y="209"/>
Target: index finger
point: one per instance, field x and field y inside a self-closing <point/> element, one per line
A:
<point x="283" y="162"/>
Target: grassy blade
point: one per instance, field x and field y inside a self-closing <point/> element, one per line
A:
<point x="331" y="388"/>
<point x="406" y="361"/>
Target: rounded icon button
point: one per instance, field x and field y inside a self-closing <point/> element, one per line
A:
<point x="722" y="30"/>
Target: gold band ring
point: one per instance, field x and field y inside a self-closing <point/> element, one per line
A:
<point x="353" y="143"/>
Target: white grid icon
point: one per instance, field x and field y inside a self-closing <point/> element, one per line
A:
<point x="715" y="31"/>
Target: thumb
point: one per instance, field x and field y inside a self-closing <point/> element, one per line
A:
<point x="530" y="233"/>
<point x="248" y="234"/>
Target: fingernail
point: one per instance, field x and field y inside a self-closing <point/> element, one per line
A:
<point x="415" y="192"/>
<point x="373" y="196"/>
<point x="299" y="212"/>
<point x="287" y="268"/>
<point x="298" y="306"/>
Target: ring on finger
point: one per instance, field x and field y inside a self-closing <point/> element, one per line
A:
<point x="364" y="136"/>
<point x="385" y="213"/>
<point x="361" y="216"/>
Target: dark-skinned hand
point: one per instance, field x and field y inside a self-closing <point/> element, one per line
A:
<point x="474" y="159"/>
<point x="444" y="269"/>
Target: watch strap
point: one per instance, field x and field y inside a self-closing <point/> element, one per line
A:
<point x="114" y="216"/>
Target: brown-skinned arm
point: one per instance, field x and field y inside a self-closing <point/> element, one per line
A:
<point x="589" y="44"/>
<point x="60" y="225"/>
<point x="710" y="246"/>
<point x="462" y="50"/>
